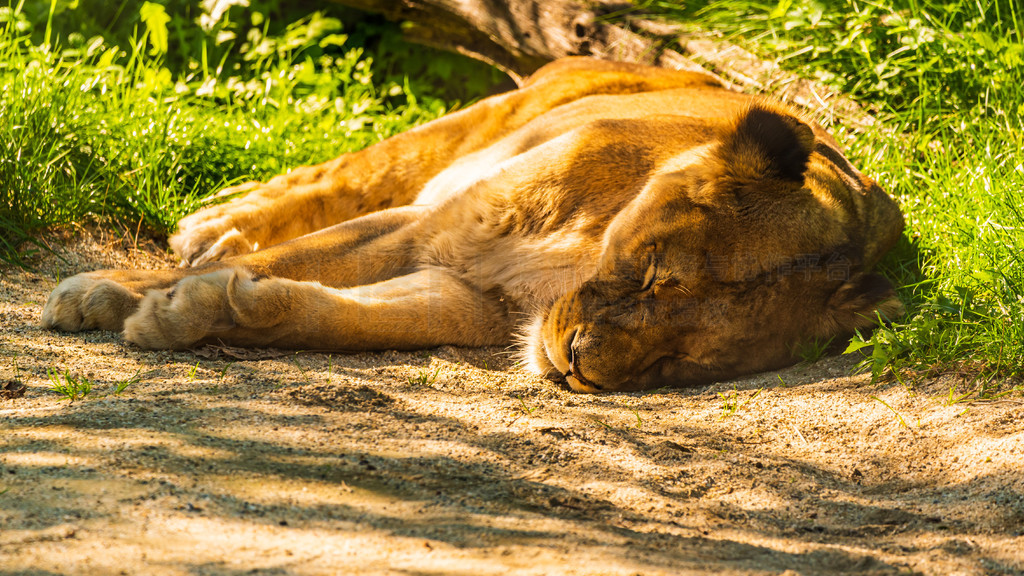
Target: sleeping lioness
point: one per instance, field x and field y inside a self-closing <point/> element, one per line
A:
<point x="626" y="227"/>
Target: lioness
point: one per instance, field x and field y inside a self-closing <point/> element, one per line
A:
<point x="629" y="227"/>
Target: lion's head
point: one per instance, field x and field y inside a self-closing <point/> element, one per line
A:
<point x="725" y="263"/>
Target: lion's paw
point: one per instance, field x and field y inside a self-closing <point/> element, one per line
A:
<point x="217" y="232"/>
<point x="178" y="318"/>
<point x="209" y="242"/>
<point x="88" y="301"/>
<point x="226" y="304"/>
<point x="210" y="235"/>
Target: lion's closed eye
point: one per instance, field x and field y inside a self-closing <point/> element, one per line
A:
<point x="650" y="276"/>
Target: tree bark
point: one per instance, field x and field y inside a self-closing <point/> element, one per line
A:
<point x="520" y="36"/>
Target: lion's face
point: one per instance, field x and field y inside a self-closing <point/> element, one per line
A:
<point x="726" y="264"/>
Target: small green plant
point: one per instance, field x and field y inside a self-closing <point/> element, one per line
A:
<point x="600" y="422"/>
<point x="639" y="421"/>
<point x="67" y="385"/>
<point x="124" y="384"/>
<point x="301" y="368"/>
<point x="522" y="406"/>
<point x="425" y="378"/>
<point x="192" y="372"/>
<point x="987" y="393"/>
<point x="731" y="403"/>
<point x="224" y="371"/>
<point x="886" y="348"/>
<point x="330" y="368"/>
<point x="952" y="399"/>
<point x="899" y="418"/>
<point x="810" y="351"/>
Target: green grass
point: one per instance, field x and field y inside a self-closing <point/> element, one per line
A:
<point x="639" y="421"/>
<point x="70" y="386"/>
<point x="946" y="81"/>
<point x="123" y="385"/>
<point x="811" y="351"/>
<point x="899" y="418"/>
<point x="526" y="410"/>
<point x="99" y="121"/>
<point x="424" y="377"/>
<point x="76" y="387"/>
<point x="731" y="403"/>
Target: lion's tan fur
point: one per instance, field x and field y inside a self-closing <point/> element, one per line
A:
<point x="636" y="226"/>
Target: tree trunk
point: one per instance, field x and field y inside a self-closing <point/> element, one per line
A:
<point x="520" y="36"/>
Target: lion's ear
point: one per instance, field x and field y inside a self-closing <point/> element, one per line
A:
<point x="855" y="303"/>
<point x="767" y="143"/>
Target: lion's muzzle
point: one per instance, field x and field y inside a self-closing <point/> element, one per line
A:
<point x="597" y="347"/>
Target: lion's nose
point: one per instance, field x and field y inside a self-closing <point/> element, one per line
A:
<point x="570" y="349"/>
<point x="572" y="352"/>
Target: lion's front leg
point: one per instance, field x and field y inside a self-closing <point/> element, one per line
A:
<point x="100" y="300"/>
<point x="424" y="309"/>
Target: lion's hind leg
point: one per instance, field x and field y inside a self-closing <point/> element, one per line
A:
<point x="424" y="309"/>
<point x="392" y="173"/>
<point x="263" y="215"/>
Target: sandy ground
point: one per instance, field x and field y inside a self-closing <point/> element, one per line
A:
<point x="452" y="461"/>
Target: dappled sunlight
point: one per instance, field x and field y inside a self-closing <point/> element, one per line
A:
<point x="451" y="477"/>
<point x="450" y="461"/>
<point x="457" y="462"/>
<point x="111" y="439"/>
<point x="45" y="459"/>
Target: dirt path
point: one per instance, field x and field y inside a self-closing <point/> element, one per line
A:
<point x="453" y="462"/>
